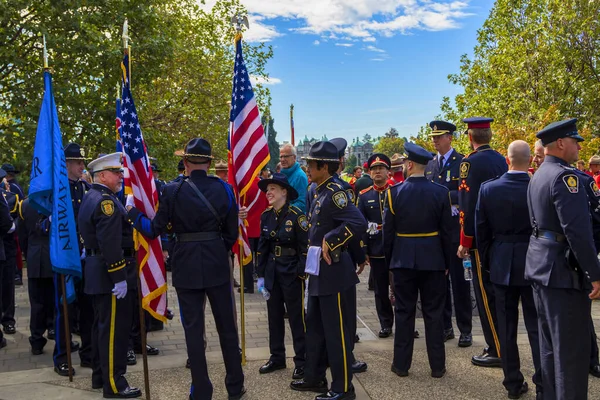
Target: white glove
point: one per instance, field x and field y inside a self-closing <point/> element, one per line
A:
<point x="454" y="211"/>
<point x="120" y="289"/>
<point x="260" y="283"/>
<point x="12" y="228"/>
<point x="129" y="202"/>
<point x="372" y="228"/>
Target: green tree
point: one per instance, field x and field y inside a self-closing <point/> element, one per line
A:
<point x="351" y="162"/>
<point x="389" y="145"/>
<point x="392" y="133"/>
<point x="271" y="134"/>
<point x="367" y="138"/>
<point x="182" y="59"/>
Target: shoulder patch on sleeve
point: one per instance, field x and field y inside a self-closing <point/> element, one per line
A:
<point x="340" y="199"/>
<point x="333" y="186"/>
<point x="107" y="207"/>
<point x="303" y="222"/>
<point x="595" y="188"/>
<point x="571" y="182"/>
<point x="295" y="210"/>
<point x="464" y="169"/>
<point x="366" y="190"/>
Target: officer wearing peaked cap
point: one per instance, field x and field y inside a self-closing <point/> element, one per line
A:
<point x="110" y="271"/>
<point x="333" y="222"/>
<point x="417" y="234"/>
<point x="201" y="210"/>
<point x="445" y="170"/>
<point x="371" y="202"/>
<point x="482" y="164"/>
<point x="562" y="263"/>
<point x="6" y="225"/>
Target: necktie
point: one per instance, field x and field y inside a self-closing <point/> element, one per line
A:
<point x="441" y="163"/>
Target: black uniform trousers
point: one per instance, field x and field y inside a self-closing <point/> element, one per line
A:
<point x="381" y="284"/>
<point x="564" y="331"/>
<point x="7" y="286"/>
<point x="594" y="343"/>
<point x="59" y="354"/>
<point x="85" y="308"/>
<point x="507" y="306"/>
<point x="192" y="313"/>
<point x="290" y="297"/>
<point x="486" y="304"/>
<point x="110" y="334"/>
<point x="329" y="339"/>
<point x="460" y="295"/>
<point x="431" y="285"/>
<point x="41" y="300"/>
<point x="251" y="267"/>
<point x="135" y="336"/>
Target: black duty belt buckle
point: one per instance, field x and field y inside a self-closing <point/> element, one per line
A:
<point x="277" y="251"/>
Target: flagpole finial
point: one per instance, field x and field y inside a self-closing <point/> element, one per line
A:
<point x="125" y="35"/>
<point x="238" y="20"/>
<point x="45" y="52"/>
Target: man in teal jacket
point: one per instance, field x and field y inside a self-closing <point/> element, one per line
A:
<point x="296" y="177"/>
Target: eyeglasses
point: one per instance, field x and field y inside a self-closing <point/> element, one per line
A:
<point x="284" y="156"/>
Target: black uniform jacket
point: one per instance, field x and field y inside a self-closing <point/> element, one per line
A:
<point x="371" y="203"/>
<point x="197" y="264"/>
<point x="561" y="251"/>
<point x="282" y="245"/>
<point x="34" y="240"/>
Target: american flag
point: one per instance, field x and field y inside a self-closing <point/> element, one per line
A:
<point x="141" y="183"/>
<point x="248" y="148"/>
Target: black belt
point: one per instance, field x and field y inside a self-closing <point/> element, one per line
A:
<point x="282" y="251"/>
<point x="512" y="238"/>
<point x="197" y="236"/>
<point x="557" y="237"/>
<point x="128" y="252"/>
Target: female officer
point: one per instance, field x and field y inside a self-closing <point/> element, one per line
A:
<point x="281" y="257"/>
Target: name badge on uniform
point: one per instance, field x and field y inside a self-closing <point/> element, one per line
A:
<point x="288" y="225"/>
<point x="448" y="176"/>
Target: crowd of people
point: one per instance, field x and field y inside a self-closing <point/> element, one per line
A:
<point x="428" y="224"/>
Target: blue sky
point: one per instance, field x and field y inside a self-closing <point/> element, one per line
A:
<point x="362" y="66"/>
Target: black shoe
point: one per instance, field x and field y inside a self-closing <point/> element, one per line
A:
<point x="127" y="393"/>
<point x="169" y="314"/>
<point x="371" y="288"/>
<point x="517" y="395"/>
<point x="416" y="334"/>
<point x="187" y="364"/>
<point x="270" y="366"/>
<point x="18" y="281"/>
<point x="75" y="330"/>
<point x="399" y="372"/>
<point x="96" y="385"/>
<point x="465" y="340"/>
<point x="37" y="352"/>
<point x="385" y="332"/>
<point x="449" y="334"/>
<point x="2" y="343"/>
<point x="74" y="347"/>
<point x="331" y="395"/>
<point x="10" y="329"/>
<point x="151" y="351"/>
<point x="87" y="364"/>
<point x="356" y="338"/>
<point x="595" y="371"/>
<point x="63" y="369"/>
<point x="358" y="367"/>
<point x="239" y="395"/>
<point x="286" y="315"/>
<point x="302" y="386"/>
<point x="298" y="374"/>
<point x="236" y="283"/>
<point x="438" y="374"/>
<point x="486" y="360"/>
<point x="51" y="335"/>
<point x="131" y="358"/>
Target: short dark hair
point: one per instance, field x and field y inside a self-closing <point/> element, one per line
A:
<point x="481" y="135"/>
<point x="332" y="167"/>
<point x="357" y="168"/>
<point x="198" y="160"/>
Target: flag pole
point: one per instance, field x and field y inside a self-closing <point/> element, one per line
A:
<point x="238" y="21"/>
<point x="127" y="51"/>
<point x="292" y="123"/>
<point x="62" y="276"/>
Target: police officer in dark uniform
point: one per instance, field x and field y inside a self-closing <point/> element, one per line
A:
<point x="281" y="257"/>
<point x="371" y="203"/>
<point x="333" y="222"/>
<point x="444" y="169"/>
<point x="6" y="226"/>
<point x="83" y="309"/>
<point x="562" y="262"/>
<point x="417" y="233"/>
<point x="160" y="184"/>
<point x="201" y="210"/>
<point x="11" y="173"/>
<point x="503" y="230"/>
<point x="481" y="165"/>
<point x="110" y="272"/>
<point x="8" y="266"/>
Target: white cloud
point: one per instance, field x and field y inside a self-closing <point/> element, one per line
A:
<point x="264" y="81"/>
<point x="344" y="44"/>
<point x="377" y="59"/>
<point x="316" y="43"/>
<point x="357" y="19"/>
<point x="373" y="48"/>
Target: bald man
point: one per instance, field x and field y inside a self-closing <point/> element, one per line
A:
<point x="503" y="230"/>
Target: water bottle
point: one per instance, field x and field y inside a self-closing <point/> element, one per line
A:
<point x="468" y="268"/>
<point x="265" y="293"/>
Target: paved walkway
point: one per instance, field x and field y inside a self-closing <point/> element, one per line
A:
<point x="24" y="376"/>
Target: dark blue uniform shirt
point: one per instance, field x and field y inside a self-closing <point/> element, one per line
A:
<point x="371" y="203"/>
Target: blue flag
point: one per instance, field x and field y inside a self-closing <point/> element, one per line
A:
<point x="49" y="190"/>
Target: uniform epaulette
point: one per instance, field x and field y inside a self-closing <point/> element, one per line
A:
<point x="438" y="184"/>
<point x="365" y="190"/>
<point x="470" y="154"/>
<point x="396" y="184"/>
<point x="106" y="194"/>
<point x="333" y="186"/>
<point x="267" y="209"/>
<point x="296" y="210"/>
<point x="567" y="167"/>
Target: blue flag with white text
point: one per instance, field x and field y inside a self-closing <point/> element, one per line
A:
<point x="49" y="190"/>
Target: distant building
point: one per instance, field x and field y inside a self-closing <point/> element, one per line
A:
<point x="303" y="147"/>
<point x="361" y="150"/>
